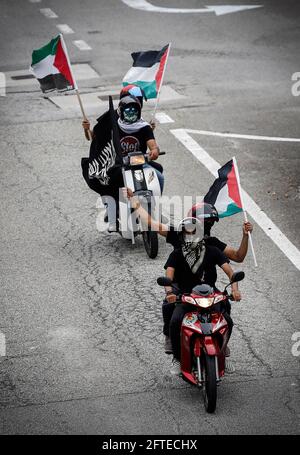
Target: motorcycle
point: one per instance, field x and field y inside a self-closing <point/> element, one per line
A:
<point x="204" y="337"/>
<point x="144" y="183"/>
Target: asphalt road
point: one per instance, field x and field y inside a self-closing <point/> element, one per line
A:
<point x="80" y="309"/>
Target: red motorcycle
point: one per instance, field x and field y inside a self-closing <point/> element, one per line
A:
<point x="204" y="337"/>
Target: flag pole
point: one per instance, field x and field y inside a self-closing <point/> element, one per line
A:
<point x="75" y="84"/>
<point x="161" y="82"/>
<point x="244" y="211"/>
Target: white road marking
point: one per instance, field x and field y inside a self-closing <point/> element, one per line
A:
<point x="270" y="229"/>
<point x="219" y="10"/>
<point x="82" y="45"/>
<point x="244" y="136"/>
<point x="35" y="1"/>
<point x="161" y="117"/>
<point x="94" y="102"/>
<point x="2" y="84"/>
<point x="47" y="12"/>
<point x="65" y="29"/>
<point x="82" y="71"/>
<point x="2" y="345"/>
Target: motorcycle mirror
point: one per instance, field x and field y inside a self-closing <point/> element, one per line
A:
<point x="164" y="281"/>
<point x="237" y="276"/>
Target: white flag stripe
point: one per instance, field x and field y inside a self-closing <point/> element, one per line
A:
<point x="45" y="67"/>
<point x="223" y="200"/>
<point x="138" y="73"/>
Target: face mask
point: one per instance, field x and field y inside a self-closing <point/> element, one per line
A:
<point x="191" y="241"/>
<point x="130" y="114"/>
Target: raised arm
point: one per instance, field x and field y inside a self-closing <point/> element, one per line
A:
<point x="161" y="228"/>
<point x="86" y="128"/>
<point x="240" y="254"/>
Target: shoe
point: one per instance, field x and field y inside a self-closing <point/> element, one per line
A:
<point x="229" y="367"/>
<point x="175" y="368"/>
<point x="168" y="345"/>
<point x="227" y="352"/>
<point x="112" y="227"/>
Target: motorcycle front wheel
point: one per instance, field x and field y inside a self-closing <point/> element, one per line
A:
<point x="150" y="239"/>
<point x="209" y="383"/>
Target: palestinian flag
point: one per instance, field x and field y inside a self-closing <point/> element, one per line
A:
<point x="51" y="66"/>
<point x="147" y="71"/>
<point x="224" y="193"/>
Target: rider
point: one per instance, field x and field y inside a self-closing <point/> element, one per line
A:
<point x="135" y="134"/>
<point x="210" y="216"/>
<point x="191" y="264"/>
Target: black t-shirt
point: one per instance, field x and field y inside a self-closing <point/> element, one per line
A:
<point x="185" y="278"/>
<point x="174" y="239"/>
<point x="135" y="142"/>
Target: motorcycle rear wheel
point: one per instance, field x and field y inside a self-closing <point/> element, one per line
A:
<point x="150" y="239"/>
<point x="210" y="383"/>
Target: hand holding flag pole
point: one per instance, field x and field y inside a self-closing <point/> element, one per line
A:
<point x="244" y="211"/>
<point x="75" y="85"/>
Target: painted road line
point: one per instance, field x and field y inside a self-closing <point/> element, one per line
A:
<point x="82" y="45"/>
<point x="161" y="117"/>
<point x="244" y="136"/>
<point x="47" y="12"/>
<point x="2" y="345"/>
<point x="65" y="29"/>
<point x="267" y="225"/>
<point x="35" y="1"/>
<point x="219" y="10"/>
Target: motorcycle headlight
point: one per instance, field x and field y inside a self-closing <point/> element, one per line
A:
<point x="204" y="303"/>
<point x="137" y="160"/>
<point x="189" y="299"/>
<point x="219" y="298"/>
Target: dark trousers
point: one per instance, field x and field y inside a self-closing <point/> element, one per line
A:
<point x="179" y="312"/>
<point x="167" y="311"/>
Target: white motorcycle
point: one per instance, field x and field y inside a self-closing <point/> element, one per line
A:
<point x="144" y="184"/>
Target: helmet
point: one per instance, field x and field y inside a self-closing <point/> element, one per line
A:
<point x="129" y="109"/>
<point x="134" y="90"/>
<point x="206" y="212"/>
<point x="190" y="231"/>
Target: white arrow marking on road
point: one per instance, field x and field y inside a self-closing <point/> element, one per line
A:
<point x="245" y="136"/>
<point x="267" y="225"/>
<point x="219" y="10"/>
